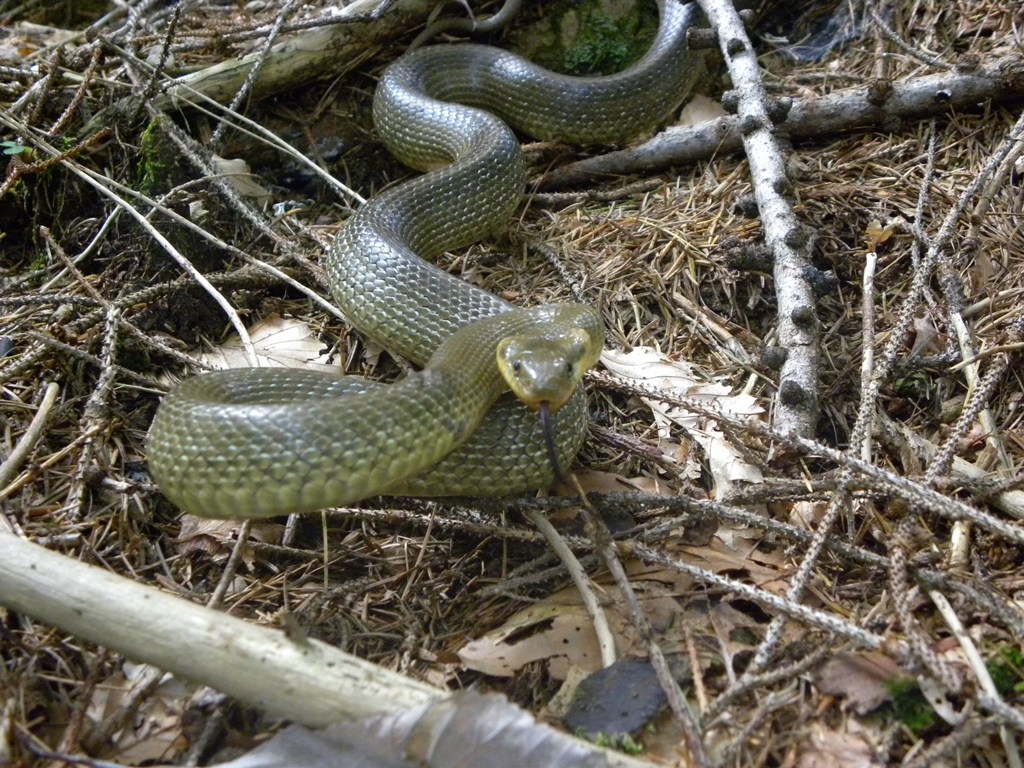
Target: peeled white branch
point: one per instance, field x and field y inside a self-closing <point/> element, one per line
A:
<point x="299" y="679"/>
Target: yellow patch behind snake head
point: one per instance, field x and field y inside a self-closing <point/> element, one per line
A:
<point x="545" y="370"/>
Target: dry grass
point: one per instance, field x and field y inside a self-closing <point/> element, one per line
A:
<point x="91" y="302"/>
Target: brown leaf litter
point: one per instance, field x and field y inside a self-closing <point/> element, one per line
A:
<point x="784" y="642"/>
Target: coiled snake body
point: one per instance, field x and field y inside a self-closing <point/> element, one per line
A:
<point x="259" y="442"/>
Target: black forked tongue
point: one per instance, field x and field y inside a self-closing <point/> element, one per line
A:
<point x="544" y="408"/>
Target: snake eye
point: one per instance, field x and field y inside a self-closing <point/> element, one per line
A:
<point x="517" y="365"/>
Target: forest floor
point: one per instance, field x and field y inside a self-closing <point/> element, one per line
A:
<point x="819" y="603"/>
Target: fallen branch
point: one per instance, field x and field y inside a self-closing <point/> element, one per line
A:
<point x="297" y="678"/>
<point x="860" y="108"/>
<point x="298" y="58"/>
<point x="799" y="329"/>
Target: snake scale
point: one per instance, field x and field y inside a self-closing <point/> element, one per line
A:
<point x="260" y="442"/>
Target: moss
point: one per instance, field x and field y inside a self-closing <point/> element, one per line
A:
<point x="622" y="742"/>
<point x="39" y="262"/>
<point x="1007" y="671"/>
<point x="910" y="707"/>
<point x="153" y="165"/>
<point x="605" y="44"/>
<point x="595" y="37"/>
<point x="161" y="164"/>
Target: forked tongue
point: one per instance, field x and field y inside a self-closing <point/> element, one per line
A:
<point x="549" y="439"/>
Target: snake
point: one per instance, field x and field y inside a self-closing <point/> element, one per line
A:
<point x="260" y="442"/>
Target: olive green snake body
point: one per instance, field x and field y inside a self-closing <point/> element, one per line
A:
<point x="266" y="441"/>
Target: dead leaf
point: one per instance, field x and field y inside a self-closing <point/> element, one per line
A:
<point x="154" y="733"/>
<point x="859" y="678"/>
<point x="237" y="171"/>
<point x="766" y="570"/>
<point x="557" y="632"/>
<point x="699" y="110"/>
<point x="651" y="369"/>
<point x="280" y="342"/>
<point x="876" y="234"/>
<point x="807" y="514"/>
<point x="217" y="537"/>
<point x="595" y="481"/>
<point x="23" y="38"/>
<point x="983" y="271"/>
<point x="826" y="748"/>
<point x="926" y="337"/>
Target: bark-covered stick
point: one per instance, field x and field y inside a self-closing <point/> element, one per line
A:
<point x="796" y="403"/>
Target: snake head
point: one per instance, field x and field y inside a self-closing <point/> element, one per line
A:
<point x="542" y="371"/>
